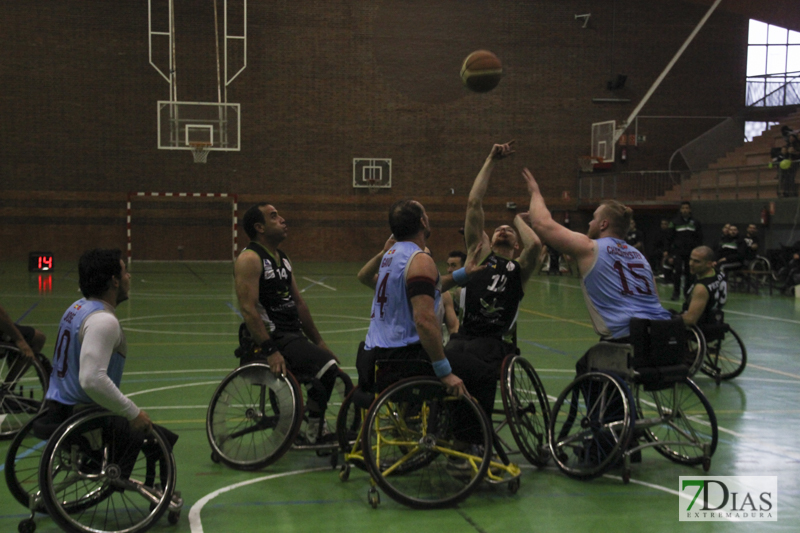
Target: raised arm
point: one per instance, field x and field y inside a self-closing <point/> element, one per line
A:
<point x="531" y="252"/>
<point x="578" y="245"/>
<point x="368" y="275"/>
<point x="473" y="225"/>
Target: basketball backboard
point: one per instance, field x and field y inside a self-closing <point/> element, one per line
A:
<point x="372" y="173"/>
<point x="184" y="124"/>
<point x="603" y="140"/>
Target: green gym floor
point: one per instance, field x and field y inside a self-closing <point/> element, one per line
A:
<point x="181" y="324"/>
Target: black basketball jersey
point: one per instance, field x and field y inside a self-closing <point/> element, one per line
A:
<point x="275" y="304"/>
<point x="491" y="298"/>
<point x="717" y="288"/>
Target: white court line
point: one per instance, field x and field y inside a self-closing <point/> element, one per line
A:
<point x="173" y="387"/>
<point x="195" y="333"/>
<point x="196" y="524"/>
<point x="317" y="283"/>
<point x="727" y="312"/>
<point x="659" y="487"/>
<point x="131" y="319"/>
<point x="765" y="369"/>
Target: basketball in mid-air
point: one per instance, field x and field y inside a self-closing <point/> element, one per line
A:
<point x="481" y="71"/>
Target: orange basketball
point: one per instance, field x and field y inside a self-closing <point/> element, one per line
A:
<point x="481" y="71"/>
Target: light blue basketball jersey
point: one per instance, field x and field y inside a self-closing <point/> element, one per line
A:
<point x="392" y="320"/>
<point x="618" y="287"/>
<point x="64" y="384"/>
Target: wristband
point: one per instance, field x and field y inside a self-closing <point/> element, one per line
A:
<point x="460" y="276"/>
<point x="442" y="368"/>
<point x="268" y="347"/>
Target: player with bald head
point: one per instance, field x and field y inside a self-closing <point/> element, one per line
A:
<point x="709" y="292"/>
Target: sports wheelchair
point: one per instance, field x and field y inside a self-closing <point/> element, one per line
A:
<point x="411" y="437"/>
<point x="724" y="353"/>
<point x="633" y="391"/>
<point x="255" y="417"/>
<point x="92" y="474"/>
<point x="23" y="385"/>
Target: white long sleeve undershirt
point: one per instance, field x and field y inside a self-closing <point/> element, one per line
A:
<point x="101" y="336"/>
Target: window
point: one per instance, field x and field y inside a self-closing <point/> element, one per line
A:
<point x="773" y="66"/>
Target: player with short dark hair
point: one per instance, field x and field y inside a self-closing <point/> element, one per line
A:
<point x="684" y="235"/>
<point x="91" y="350"/>
<point x="490" y="298"/>
<point x="277" y="318"/>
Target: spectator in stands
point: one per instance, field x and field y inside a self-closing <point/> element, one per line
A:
<point x="660" y="260"/>
<point x="635" y="237"/>
<point x="730" y="251"/>
<point x="751" y="242"/>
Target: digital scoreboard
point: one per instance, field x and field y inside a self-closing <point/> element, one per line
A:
<point x="40" y="262"/>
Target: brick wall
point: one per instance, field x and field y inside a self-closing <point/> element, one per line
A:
<point x="327" y="81"/>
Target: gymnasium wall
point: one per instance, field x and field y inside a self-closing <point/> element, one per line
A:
<point x="327" y="81"/>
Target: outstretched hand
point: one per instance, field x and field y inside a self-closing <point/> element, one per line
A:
<point x="391" y="241"/>
<point x="501" y="151"/>
<point x="533" y="187"/>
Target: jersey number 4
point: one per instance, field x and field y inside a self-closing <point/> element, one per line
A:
<point x="381" y="297"/>
<point x="632" y="268"/>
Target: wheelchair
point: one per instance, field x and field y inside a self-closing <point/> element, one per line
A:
<point x="631" y="392"/>
<point x="410" y="438"/>
<point x="725" y="356"/>
<point x="23" y="385"/>
<point x="254" y="417"/>
<point x="93" y="474"/>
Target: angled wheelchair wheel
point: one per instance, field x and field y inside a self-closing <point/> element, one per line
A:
<point x="415" y="444"/>
<point x="726" y="356"/>
<point x="348" y="428"/>
<point x="527" y="409"/>
<point x="688" y="428"/>
<point x="22" y="466"/>
<point x="98" y="476"/>
<point x="591" y="425"/>
<point x="253" y="417"/>
<point x="697" y="349"/>
<point x="23" y="385"/>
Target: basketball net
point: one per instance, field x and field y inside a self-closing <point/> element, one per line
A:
<point x="200" y="151"/>
<point x="372" y="185"/>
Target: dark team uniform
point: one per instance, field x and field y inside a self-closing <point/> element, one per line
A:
<point x="278" y="311"/>
<point x="684" y="235"/>
<point x="717" y="289"/>
<point x="490" y="302"/>
<point x="749" y="241"/>
<point x="491" y="299"/>
<point x="275" y="304"/>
